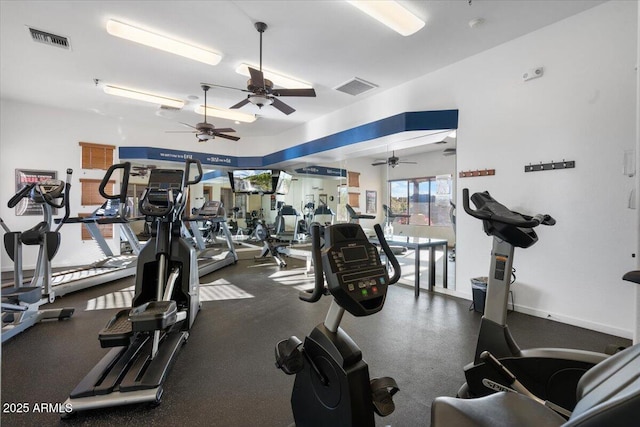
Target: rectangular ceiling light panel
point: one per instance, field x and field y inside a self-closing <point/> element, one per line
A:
<point x="226" y="114"/>
<point x="143" y="96"/>
<point x="391" y="14"/>
<point x="157" y="41"/>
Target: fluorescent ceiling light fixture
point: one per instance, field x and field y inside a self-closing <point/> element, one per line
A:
<point x="391" y="14"/>
<point x="142" y="96"/>
<point x="226" y="114"/>
<point x="157" y="41"/>
<point x="278" y="79"/>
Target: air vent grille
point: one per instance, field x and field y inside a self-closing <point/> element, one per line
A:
<point x="356" y="86"/>
<point x="49" y="38"/>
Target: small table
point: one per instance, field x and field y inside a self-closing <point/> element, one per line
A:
<point x="417" y="244"/>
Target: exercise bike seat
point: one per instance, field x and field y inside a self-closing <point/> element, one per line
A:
<point x="608" y="395"/>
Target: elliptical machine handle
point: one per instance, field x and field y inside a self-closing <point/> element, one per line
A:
<point x="20" y="195"/>
<point x="389" y="253"/>
<point x="526" y="222"/>
<point x="67" y="204"/>
<point x="187" y="168"/>
<point x="122" y="196"/>
<point x="318" y="273"/>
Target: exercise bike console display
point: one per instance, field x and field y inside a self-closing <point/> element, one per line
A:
<point x="355" y="276"/>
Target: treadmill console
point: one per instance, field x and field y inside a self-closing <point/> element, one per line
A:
<point x="354" y="273"/>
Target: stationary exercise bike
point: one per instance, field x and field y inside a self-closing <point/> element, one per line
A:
<point x="21" y="302"/>
<point x="550" y="373"/>
<point x="332" y="385"/>
<point x="146" y="339"/>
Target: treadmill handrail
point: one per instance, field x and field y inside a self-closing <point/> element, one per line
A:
<point x="318" y="289"/>
<point x="526" y="221"/>
<point x="389" y="253"/>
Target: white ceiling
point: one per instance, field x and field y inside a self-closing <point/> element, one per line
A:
<point x="323" y="42"/>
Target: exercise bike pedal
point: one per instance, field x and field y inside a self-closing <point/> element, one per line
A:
<point x="382" y="391"/>
<point x="289" y="355"/>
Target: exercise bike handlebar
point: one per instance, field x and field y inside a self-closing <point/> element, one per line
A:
<point x="517" y="220"/>
<point x="122" y="196"/>
<point x="389" y="253"/>
<point x="318" y="289"/>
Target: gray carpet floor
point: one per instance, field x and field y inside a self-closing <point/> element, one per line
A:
<point x="225" y="374"/>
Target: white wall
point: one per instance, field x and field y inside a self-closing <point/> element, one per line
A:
<point x="35" y="137"/>
<point x="583" y="109"/>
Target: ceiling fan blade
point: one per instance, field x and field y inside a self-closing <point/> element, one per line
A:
<point x="188" y="125"/>
<point x="240" y="104"/>
<point x="295" y="92"/>
<point x="180" y="131"/>
<point x="231" y="137"/>
<point x="407" y="163"/>
<point x="282" y="106"/>
<point x="382" y="162"/>
<point x="223" y="130"/>
<point x="226" y="87"/>
<point x="257" y="77"/>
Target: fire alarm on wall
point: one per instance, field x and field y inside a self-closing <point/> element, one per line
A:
<point x="533" y="73"/>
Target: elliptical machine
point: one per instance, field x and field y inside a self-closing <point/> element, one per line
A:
<point x="552" y="374"/>
<point x="332" y="385"/>
<point x="146" y="339"/>
<point x="21" y="303"/>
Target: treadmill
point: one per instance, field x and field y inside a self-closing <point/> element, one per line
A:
<point x="111" y="267"/>
<point x="211" y="259"/>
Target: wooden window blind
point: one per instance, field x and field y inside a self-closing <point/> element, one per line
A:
<point x="96" y="156"/>
<point x="90" y="194"/>
<point x="354" y="200"/>
<point x="353" y="179"/>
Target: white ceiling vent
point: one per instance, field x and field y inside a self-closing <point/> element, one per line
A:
<point x="50" y="39"/>
<point x="355" y="86"/>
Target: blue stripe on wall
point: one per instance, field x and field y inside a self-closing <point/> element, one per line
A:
<point x="403" y="122"/>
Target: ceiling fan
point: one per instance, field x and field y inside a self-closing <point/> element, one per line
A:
<point x="261" y="90"/>
<point x="392" y="161"/>
<point x="205" y="131"/>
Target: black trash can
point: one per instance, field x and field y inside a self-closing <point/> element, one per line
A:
<point x="479" y="293"/>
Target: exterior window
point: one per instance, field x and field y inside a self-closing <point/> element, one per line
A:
<point x="426" y="200"/>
